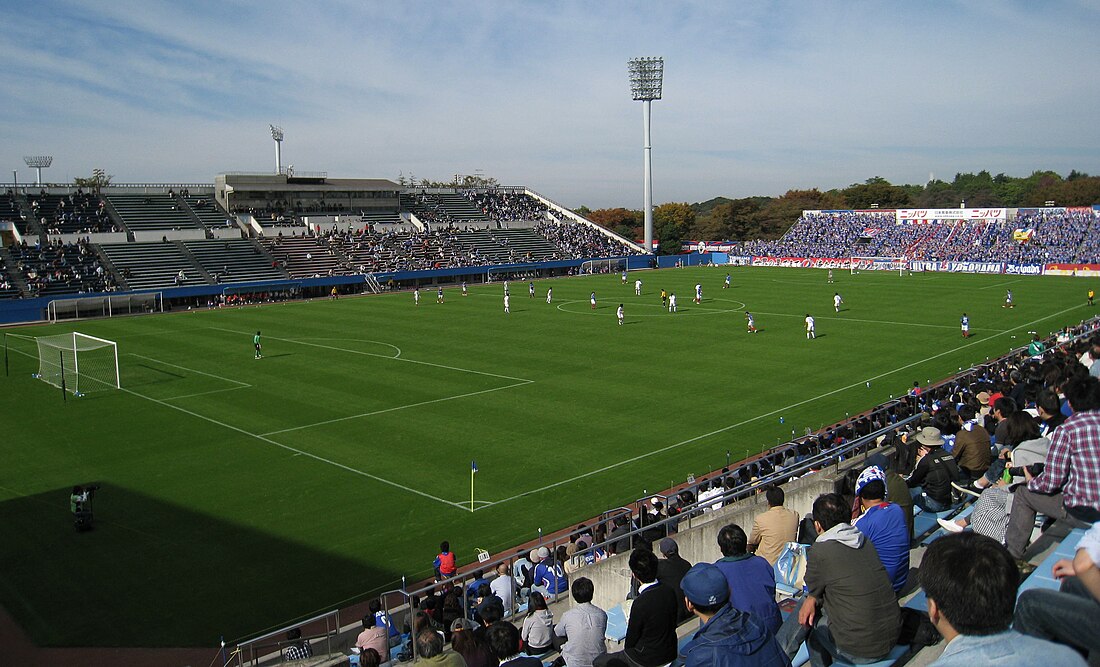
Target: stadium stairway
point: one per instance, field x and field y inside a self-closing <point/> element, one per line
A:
<point x="7" y="268"/>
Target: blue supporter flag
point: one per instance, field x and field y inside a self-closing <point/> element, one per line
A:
<point x="473" y="466"/>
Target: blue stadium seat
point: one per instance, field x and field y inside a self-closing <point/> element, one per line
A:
<point x="616" y="624"/>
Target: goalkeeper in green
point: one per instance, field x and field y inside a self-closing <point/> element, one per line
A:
<point x="256" y="344"/>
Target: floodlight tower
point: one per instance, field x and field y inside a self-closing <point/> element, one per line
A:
<point x="277" y="135"/>
<point x="646" y="78"/>
<point x="38" y="162"/>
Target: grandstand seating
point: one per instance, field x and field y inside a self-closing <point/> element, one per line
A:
<point x="234" y="260"/>
<point x="306" y="256"/>
<point x="60" y="269"/>
<point x="151" y="265"/>
<point x="9" y="211"/>
<point x="207" y="211"/>
<point x="152" y="212"/>
<point x="74" y="213"/>
<point x="503" y="246"/>
<point x="382" y="218"/>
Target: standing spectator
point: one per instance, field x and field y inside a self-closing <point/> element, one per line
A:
<point x="771" y="530"/>
<point x="971" y="584"/>
<point x="651" y="630"/>
<point x="858" y="619"/>
<point x="751" y="578"/>
<point x="728" y="637"/>
<point x="583" y="628"/>
<point x="884" y="524"/>
<point x="1070" y="615"/>
<point x="671" y="568"/>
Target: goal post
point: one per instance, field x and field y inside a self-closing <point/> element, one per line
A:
<point x="897" y="264"/>
<point x="614" y="265"/>
<point x="78" y="362"/>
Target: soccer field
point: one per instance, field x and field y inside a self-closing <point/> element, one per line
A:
<point x="240" y="494"/>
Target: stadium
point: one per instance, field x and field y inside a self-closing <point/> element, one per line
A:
<point x="287" y="417"/>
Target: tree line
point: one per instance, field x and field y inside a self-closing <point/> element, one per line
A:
<point x="722" y="219"/>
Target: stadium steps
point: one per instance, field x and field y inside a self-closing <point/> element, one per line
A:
<point x="12" y="210"/>
<point x="152" y="212"/>
<point x="19" y="286"/>
<point x="209" y="214"/>
<point x="153" y="264"/>
<point x="233" y="260"/>
<point x="110" y="267"/>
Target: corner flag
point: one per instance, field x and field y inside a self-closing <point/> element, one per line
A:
<point x="473" y="470"/>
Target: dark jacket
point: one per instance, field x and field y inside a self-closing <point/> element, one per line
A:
<point x="651" y="630"/>
<point x="752" y="588"/>
<point x="733" y="639"/>
<point x="934" y="473"/>
<point x="669" y="572"/>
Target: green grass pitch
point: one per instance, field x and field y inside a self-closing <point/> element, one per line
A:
<point x="240" y="494"/>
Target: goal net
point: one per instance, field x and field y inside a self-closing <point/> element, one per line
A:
<point x="897" y="264"/>
<point x="78" y="362"/>
<point x="604" y="266"/>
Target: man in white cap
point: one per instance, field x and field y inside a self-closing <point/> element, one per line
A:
<point x="549" y="576"/>
<point x="930" y="481"/>
<point x="884" y="524"/>
<point x="728" y="636"/>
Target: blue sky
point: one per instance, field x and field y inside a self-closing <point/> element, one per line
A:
<point x="758" y="97"/>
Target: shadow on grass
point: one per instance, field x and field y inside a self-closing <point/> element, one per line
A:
<point x="155" y="574"/>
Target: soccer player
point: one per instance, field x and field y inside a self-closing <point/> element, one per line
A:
<point x="549" y="294"/>
<point x="619" y="314"/>
<point x="830" y="276"/>
<point x="592" y="298"/>
<point x="531" y="290"/>
<point x="698" y="293"/>
<point x="624" y="277"/>
<point x="335" y="294"/>
<point x="506" y="287"/>
<point x="751" y="322"/>
<point x="256" y="344"/>
<point x="439" y="295"/>
<point x="727" y="283"/>
<point x="507" y="303"/>
<point x="638" y="288"/>
<point x="672" y="302"/>
<point x="1091" y="294"/>
<point x="837" y="301"/>
<point x="965" y="321"/>
<point x="464" y="288"/>
<point x="810" y="333"/>
<point x="416" y="296"/>
<point x="664" y="298"/>
<point x="1008" y="299"/>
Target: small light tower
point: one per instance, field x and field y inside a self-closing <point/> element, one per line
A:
<point x="38" y="162"/>
<point x="646" y="78"/>
<point x="277" y="135"/>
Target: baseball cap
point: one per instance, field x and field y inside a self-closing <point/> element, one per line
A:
<point x="704" y="584"/>
<point x="543" y="552"/>
<point x="668" y="546"/>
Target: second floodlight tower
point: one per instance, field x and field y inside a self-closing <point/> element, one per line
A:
<point x="277" y="135"/>
<point x="646" y="78"/>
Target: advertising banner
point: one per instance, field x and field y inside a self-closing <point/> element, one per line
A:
<point x="1024" y="269"/>
<point x="973" y="267"/>
<point x="927" y="214"/>
<point x="1081" y="270"/>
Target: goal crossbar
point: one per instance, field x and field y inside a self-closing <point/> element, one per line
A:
<point x="78" y="362"/>
<point x="899" y="264"/>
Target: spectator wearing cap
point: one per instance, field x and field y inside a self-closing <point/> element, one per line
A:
<point x="583" y="627"/>
<point x="930" y="482"/>
<point x="751" y="579"/>
<point x="850" y="611"/>
<point x="983" y="401"/>
<point x="728" y="637"/>
<point x="471" y="645"/>
<point x="771" y="530"/>
<point x="897" y="491"/>
<point x="971" y="583"/>
<point x="884" y="524"/>
<point x="671" y="568"/>
<point x="549" y="576"/>
<point x="651" y="629"/>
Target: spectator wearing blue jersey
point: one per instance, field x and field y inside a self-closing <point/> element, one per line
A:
<point x="884" y="524"/>
<point x="549" y="577"/>
<point x="382" y="619"/>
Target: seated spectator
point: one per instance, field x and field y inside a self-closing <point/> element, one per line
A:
<point x="972" y="444"/>
<point x="858" y="619"/>
<point x="429" y="651"/>
<point x="1070" y="615"/>
<point x="538" y="626"/>
<point x="549" y="576"/>
<point x="971" y="583"/>
<point x="771" y="530"/>
<point x="503" y="640"/>
<point x="473" y="648"/>
<point x="444" y="563"/>
<point x="582" y="627"/>
<point x="504" y="587"/>
<point x="1068" y="488"/>
<point x="751" y="578"/>
<point x="298" y="647"/>
<point x="651" y="629"/>
<point x="373" y="637"/>
<point x="382" y="619"/>
<point x="728" y="637"/>
<point x="930" y="482"/>
<point x="671" y="568"/>
<point x="884" y="524"/>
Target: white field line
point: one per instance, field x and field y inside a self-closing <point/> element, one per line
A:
<point x="288" y="448"/>
<point x="834" y="318"/>
<point x="1007" y="282"/>
<point x="185" y="368"/>
<point x="204" y="393"/>
<point x="380" y="356"/>
<point x="398" y="407"/>
<point x="758" y="417"/>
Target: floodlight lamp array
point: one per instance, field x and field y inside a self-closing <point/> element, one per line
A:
<point x="646" y="77"/>
<point x="276" y="132"/>
<point x="38" y="161"/>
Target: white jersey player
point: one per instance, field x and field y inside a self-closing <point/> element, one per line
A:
<point x="698" y="293"/>
<point x="672" y="302"/>
<point x="619" y="314"/>
<point x="837" y="301"/>
<point x="810" y="333"/>
<point x="507" y="303"/>
<point x="638" y="287"/>
<point x="549" y="294"/>
<point x="416" y="296"/>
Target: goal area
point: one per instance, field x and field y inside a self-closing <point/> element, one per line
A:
<point x="78" y="363"/>
<point x="900" y="265"/>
